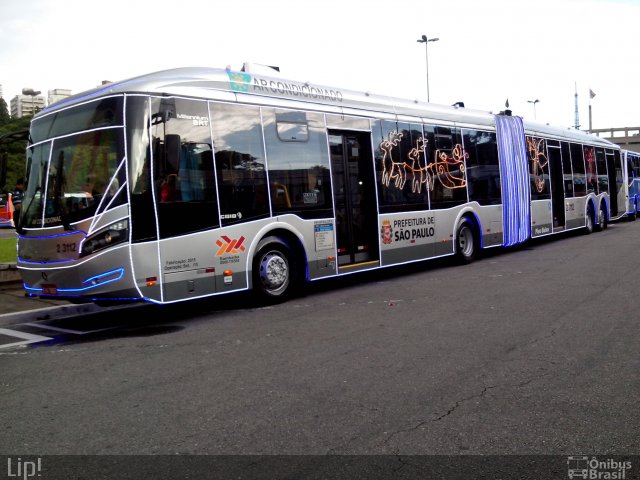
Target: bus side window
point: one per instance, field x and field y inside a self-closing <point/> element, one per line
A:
<point x="239" y="162"/>
<point x="298" y="162"/>
<point x="183" y="159"/>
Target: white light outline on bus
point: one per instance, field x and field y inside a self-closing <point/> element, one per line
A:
<point x="333" y="199"/>
<point x="97" y="217"/>
<point x="129" y="244"/>
<point x="46" y="113"/>
<point x="52" y="140"/>
<point x="155" y="207"/>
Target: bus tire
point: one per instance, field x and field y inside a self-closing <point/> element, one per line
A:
<point x="588" y="221"/>
<point x="465" y="241"/>
<point x="602" y="218"/>
<point x="273" y="271"/>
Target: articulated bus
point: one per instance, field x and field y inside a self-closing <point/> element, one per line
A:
<point x="189" y="183"/>
<point x="631" y="168"/>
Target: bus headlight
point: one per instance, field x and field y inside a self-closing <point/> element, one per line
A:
<point x="115" y="233"/>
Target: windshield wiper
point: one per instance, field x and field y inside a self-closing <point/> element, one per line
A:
<point x="22" y="216"/>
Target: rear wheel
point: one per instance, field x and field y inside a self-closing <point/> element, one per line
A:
<point x="466" y="247"/>
<point x="602" y="218"/>
<point x="273" y="271"/>
<point x="588" y="221"/>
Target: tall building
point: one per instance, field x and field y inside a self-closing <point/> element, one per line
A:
<point x="56" y="95"/>
<point x="1" y="91"/>
<point x="26" y="105"/>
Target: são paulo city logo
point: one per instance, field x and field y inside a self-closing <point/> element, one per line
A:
<point x="386" y="232"/>
<point x="407" y="229"/>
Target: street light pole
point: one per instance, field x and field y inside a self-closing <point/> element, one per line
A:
<point x="534" y="107"/>
<point x="426" y="41"/>
<point x="33" y="93"/>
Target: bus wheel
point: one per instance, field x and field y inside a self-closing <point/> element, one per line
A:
<point x="588" y="221"/>
<point x="272" y="270"/>
<point x="465" y="242"/>
<point x="602" y="219"/>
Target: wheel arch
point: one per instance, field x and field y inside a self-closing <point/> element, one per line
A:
<point x="591" y="202"/>
<point x="471" y="216"/>
<point x="283" y="233"/>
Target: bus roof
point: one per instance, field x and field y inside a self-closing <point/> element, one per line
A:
<point x="211" y="83"/>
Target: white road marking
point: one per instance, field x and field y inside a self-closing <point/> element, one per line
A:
<point x="27" y="338"/>
<point x="65" y="330"/>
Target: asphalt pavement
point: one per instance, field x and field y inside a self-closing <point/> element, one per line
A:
<point x="16" y="306"/>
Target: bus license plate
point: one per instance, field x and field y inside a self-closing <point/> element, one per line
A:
<point x="49" y="289"/>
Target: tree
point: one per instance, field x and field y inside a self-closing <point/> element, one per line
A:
<point x="16" y="164"/>
<point x="4" y="112"/>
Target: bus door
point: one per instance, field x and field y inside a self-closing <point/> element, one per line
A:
<point x="354" y="199"/>
<point x="557" y="185"/>
<point x="616" y="182"/>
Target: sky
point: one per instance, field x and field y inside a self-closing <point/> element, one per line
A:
<point x="488" y="52"/>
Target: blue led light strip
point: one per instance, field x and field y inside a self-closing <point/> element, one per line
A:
<point x="514" y="176"/>
<point x="116" y="274"/>
<point x="57" y="235"/>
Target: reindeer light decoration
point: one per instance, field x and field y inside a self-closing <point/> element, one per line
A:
<point x="539" y="161"/>
<point x="443" y="168"/>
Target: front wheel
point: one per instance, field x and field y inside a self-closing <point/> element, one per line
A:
<point x="272" y="272"/>
<point x="466" y="248"/>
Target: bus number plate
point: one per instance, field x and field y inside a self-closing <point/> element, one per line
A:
<point x="66" y="247"/>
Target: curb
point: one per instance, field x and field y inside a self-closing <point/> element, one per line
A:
<point x="9" y="274"/>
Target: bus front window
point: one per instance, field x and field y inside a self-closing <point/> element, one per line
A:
<point x="31" y="212"/>
<point x="75" y="164"/>
<point x="82" y="172"/>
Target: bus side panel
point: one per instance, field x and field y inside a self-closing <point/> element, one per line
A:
<point x="146" y="268"/>
<point x="408" y="237"/>
<point x="541" y="218"/>
<point x="189" y="266"/>
<point x="490" y="219"/>
<point x="575" y="211"/>
<point x="319" y="243"/>
<point x="411" y="236"/>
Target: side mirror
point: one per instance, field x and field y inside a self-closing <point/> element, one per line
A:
<point x="172" y="152"/>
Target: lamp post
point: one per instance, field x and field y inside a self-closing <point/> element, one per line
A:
<point x="534" y="107"/>
<point x="33" y="93"/>
<point x="426" y="41"/>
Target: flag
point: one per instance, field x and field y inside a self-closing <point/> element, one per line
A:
<point x="506" y="104"/>
<point x="591" y="94"/>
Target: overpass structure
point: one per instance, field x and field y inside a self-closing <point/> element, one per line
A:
<point x="627" y="137"/>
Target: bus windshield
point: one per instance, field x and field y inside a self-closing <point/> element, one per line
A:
<point x="70" y="177"/>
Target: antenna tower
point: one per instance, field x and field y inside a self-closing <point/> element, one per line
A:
<point x="577" y="119"/>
